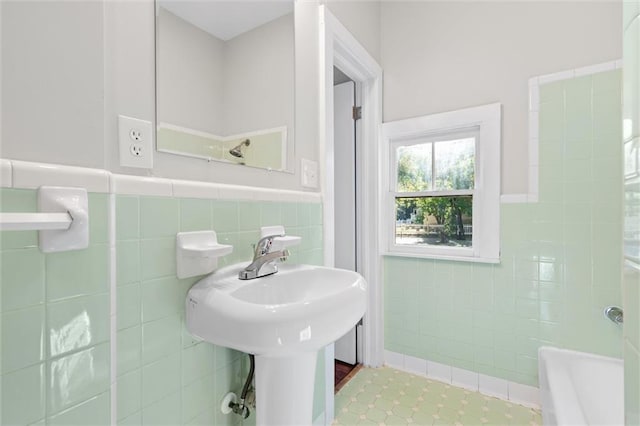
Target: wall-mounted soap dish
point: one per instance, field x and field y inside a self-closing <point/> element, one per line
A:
<point x="197" y="253"/>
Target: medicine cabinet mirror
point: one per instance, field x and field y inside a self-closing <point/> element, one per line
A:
<point x="225" y="81"/>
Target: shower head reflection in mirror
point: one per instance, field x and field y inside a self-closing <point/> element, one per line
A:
<point x="236" y="151"/>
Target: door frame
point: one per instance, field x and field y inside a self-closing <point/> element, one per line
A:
<point x="339" y="48"/>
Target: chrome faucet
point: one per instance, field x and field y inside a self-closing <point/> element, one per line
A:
<point x="263" y="259"/>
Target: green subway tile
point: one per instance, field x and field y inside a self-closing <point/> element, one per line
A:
<point x="225" y="216"/>
<point x="133" y="420"/>
<point x="315" y="237"/>
<point x="551" y="291"/>
<point x="289" y="215"/>
<point x="552" y="92"/>
<point x="95" y="411"/>
<point x="18" y="201"/>
<point x="551" y="120"/>
<point x="77" y="323"/>
<point x="165" y="411"/>
<point x="77" y="273"/>
<point x="578" y="119"/>
<point x="188" y="340"/>
<point x="160" y="379"/>
<point x="208" y="417"/>
<point x="127" y="217"/>
<point x="551" y="311"/>
<point x="23" y="396"/>
<point x="129" y="349"/>
<point x="127" y="262"/>
<point x="197" y="361"/>
<point x="196" y="397"/>
<point x="270" y="214"/>
<point x="243" y="251"/>
<point x="129" y="306"/>
<point x="161" y="298"/>
<point x="195" y="215"/>
<point x="98" y="218"/>
<point x="610" y="81"/>
<point x="77" y="377"/>
<point x="227" y="379"/>
<point x="225" y="357"/>
<point x="504" y="360"/>
<point x="248" y="216"/>
<point x="607" y="113"/>
<point x="161" y="338"/>
<point x="21" y="278"/>
<point x="159" y="217"/>
<point x="304" y="214"/>
<point x="315" y="214"/>
<point x="158" y="258"/>
<point x="129" y="394"/>
<point x="24" y="345"/>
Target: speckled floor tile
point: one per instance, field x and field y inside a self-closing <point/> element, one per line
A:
<point x="384" y="396"/>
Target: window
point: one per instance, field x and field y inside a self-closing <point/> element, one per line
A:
<point x="444" y="185"/>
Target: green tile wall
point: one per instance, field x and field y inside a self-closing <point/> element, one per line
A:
<point x="560" y="258"/>
<point x="631" y="139"/>
<point x="164" y="374"/>
<point x="54" y="320"/>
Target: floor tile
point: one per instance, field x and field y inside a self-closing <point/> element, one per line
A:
<point x="384" y="396"/>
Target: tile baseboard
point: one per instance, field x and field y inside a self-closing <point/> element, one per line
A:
<point x="471" y="380"/>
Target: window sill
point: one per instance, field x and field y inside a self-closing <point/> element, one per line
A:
<point x="443" y="257"/>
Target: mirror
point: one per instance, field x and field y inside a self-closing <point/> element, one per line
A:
<point x="225" y="81"/>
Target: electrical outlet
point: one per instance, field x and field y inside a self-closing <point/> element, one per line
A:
<point x="136" y="142"/>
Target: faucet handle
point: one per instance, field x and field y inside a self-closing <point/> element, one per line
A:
<point x="264" y="244"/>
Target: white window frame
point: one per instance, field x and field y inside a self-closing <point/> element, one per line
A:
<point x="486" y="122"/>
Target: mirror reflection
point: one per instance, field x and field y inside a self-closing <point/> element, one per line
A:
<point x="225" y="81"/>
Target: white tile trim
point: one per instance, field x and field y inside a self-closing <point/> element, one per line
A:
<point x="493" y="386"/>
<point x="486" y="385"/>
<point x="465" y="379"/>
<point x="534" y="122"/>
<point x="189" y="189"/>
<point x="415" y="365"/>
<point x="394" y="360"/>
<point x="140" y="185"/>
<point x="6" y="174"/>
<point x="513" y="198"/>
<point x="29" y="175"/>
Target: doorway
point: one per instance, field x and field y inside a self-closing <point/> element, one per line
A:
<point x="348" y="350"/>
<point x="339" y="48"/>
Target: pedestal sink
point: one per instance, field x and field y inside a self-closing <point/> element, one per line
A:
<point x="283" y="319"/>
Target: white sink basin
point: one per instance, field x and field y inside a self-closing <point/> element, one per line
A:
<point x="301" y="308"/>
<point x="283" y="319"/>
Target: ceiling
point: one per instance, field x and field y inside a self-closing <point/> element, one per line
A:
<point x="228" y="19"/>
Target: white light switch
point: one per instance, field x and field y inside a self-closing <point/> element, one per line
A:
<point x="309" y="173"/>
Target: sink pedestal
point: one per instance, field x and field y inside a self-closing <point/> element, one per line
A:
<point x="284" y="389"/>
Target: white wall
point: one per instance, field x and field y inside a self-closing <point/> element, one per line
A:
<point x="190" y="75"/>
<point x="69" y="69"/>
<point x="362" y="19"/>
<point x="442" y="56"/>
<point x="52" y="82"/>
<point x="259" y="78"/>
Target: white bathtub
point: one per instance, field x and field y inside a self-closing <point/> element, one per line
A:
<point x="578" y="388"/>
